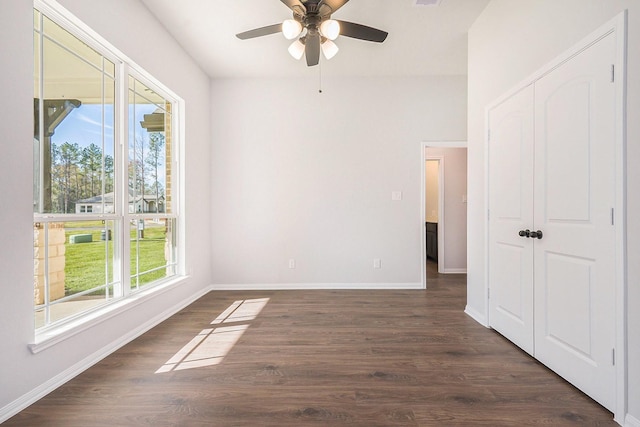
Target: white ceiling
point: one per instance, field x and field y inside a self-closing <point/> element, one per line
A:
<point x="423" y="40"/>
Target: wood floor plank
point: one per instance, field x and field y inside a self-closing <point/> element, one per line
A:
<point x="321" y="358"/>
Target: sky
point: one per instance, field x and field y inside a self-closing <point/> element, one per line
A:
<point x="83" y="126"/>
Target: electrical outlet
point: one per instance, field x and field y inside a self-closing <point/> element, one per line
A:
<point x="396" y="195"/>
<point x="377" y="263"/>
<point x="292" y="263"/>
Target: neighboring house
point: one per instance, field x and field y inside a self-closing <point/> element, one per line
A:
<point x="137" y="204"/>
<point x="146" y="204"/>
<point x="95" y="204"/>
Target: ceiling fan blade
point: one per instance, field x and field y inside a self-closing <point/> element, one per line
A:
<point x="295" y="5"/>
<point x="312" y="49"/>
<point x="334" y="4"/>
<point x="362" y="32"/>
<point x="259" y="32"/>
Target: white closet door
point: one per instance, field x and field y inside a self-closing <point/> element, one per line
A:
<point x="574" y="195"/>
<point x="511" y="210"/>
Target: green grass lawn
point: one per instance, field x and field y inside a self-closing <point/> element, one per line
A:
<point x="85" y="262"/>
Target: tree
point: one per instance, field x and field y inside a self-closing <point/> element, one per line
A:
<point x="57" y="198"/>
<point x="68" y="156"/>
<point x="91" y="161"/>
<point x="154" y="161"/>
<point x="136" y="166"/>
<point x="108" y="173"/>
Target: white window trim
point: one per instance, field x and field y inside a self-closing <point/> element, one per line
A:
<point x="66" y="330"/>
<point x="125" y="66"/>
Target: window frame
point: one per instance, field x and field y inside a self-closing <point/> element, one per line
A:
<point x="124" y="68"/>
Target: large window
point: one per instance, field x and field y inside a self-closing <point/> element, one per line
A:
<point x="105" y="211"/>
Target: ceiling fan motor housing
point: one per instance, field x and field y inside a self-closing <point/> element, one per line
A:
<point x="312" y="22"/>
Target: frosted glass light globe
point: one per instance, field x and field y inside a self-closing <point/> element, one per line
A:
<point x="330" y="29"/>
<point x="291" y="29"/>
<point x="329" y="49"/>
<point x="296" y="49"/>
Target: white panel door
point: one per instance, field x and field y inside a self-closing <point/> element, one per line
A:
<point x="510" y="211"/>
<point x="574" y="266"/>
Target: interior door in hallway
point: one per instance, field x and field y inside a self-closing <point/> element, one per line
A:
<point x="511" y="210"/>
<point x="574" y="266"/>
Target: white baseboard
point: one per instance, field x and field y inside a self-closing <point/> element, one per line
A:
<point x="47" y="387"/>
<point x="313" y="286"/>
<point x="477" y="316"/>
<point x="631" y="421"/>
<point x="455" y="271"/>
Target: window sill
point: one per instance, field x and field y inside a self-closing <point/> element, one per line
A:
<point x="55" y="335"/>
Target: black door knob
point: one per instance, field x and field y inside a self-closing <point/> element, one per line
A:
<point x="524" y="233"/>
<point x="536" y="234"/>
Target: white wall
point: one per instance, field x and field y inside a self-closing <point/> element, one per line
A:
<point x="432" y="190"/>
<point x="455" y="210"/>
<point x="298" y="174"/>
<point x="507" y="43"/>
<point x="131" y="28"/>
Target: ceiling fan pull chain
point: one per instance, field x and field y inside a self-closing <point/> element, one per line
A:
<point x="320" y="77"/>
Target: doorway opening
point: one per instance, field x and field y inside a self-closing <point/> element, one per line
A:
<point x="434" y="215"/>
<point x="444" y="209"/>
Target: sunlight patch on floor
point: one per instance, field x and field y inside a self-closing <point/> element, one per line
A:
<point x="241" y="311"/>
<point x="211" y="345"/>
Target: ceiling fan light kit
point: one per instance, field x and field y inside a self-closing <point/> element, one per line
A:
<point x="330" y="29"/>
<point x="291" y="29"/>
<point x="315" y="29"/>
<point x="329" y="49"/>
<point x="296" y="49"/>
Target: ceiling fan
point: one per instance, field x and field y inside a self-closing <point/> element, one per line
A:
<point x="315" y="30"/>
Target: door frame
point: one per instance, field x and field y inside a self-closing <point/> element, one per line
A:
<point x="441" y="200"/>
<point x="617" y="26"/>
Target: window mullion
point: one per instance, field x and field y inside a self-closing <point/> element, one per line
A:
<point x="46" y="296"/>
<point x="41" y="115"/>
<point x="122" y="105"/>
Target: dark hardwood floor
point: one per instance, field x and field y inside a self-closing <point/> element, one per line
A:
<point x="325" y="358"/>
